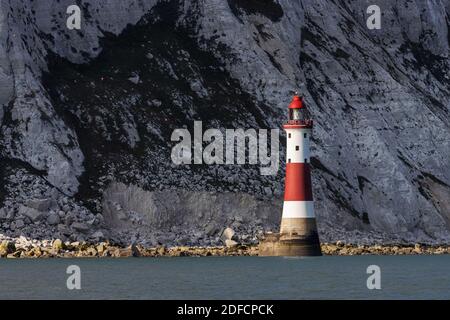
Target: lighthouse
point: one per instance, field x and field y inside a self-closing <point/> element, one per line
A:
<point x="298" y="232"/>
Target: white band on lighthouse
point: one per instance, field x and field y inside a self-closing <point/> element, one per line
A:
<point x="298" y="209"/>
<point x="298" y="140"/>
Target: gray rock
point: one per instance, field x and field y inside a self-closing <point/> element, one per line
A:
<point x="53" y="219"/>
<point x="134" y="79"/>
<point x="211" y="229"/>
<point x="156" y="103"/>
<point x="31" y="213"/>
<point x="236" y="224"/>
<point x="19" y="224"/>
<point x="43" y="205"/>
<point x="80" y="226"/>
<point x="99" y="218"/>
<point x="69" y="218"/>
<point x="80" y="238"/>
<point x="3" y="214"/>
<point x="63" y="229"/>
<point x="11" y="214"/>
<point x="98" y="235"/>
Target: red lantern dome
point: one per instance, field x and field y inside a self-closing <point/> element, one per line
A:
<point x="296" y="103"/>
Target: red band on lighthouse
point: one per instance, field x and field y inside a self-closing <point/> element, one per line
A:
<point x="298" y="182"/>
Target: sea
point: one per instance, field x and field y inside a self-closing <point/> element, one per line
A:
<point x="328" y="277"/>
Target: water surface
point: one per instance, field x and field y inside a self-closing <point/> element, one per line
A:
<point x="329" y="277"/>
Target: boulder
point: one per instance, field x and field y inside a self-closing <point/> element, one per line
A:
<point x="134" y="78"/>
<point x="91" y="251"/>
<point x="19" y="224"/>
<point x="73" y="245"/>
<point x="14" y="255"/>
<point x="10" y="214"/>
<point x="53" y="219"/>
<point x="7" y="247"/>
<point x="230" y="243"/>
<point x="3" y="214"/>
<point x="417" y="248"/>
<point x="211" y="230"/>
<point x="36" y="252"/>
<point x="64" y="229"/>
<point x="31" y="213"/>
<point x="80" y="227"/>
<point x="101" y="248"/>
<point x="227" y="234"/>
<point x="122" y="252"/>
<point x="42" y="205"/>
<point x="161" y="250"/>
<point x="68" y="219"/>
<point x="184" y="240"/>
<point x="23" y="241"/>
<point x="98" y="235"/>
<point x="135" y="251"/>
<point x="340" y="243"/>
<point x="58" y="245"/>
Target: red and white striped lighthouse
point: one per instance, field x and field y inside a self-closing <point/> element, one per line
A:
<point x="298" y="233"/>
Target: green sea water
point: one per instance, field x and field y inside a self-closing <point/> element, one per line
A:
<point x="328" y="277"/>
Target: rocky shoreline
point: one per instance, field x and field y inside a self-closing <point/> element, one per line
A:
<point x="60" y="249"/>
<point x="341" y="249"/>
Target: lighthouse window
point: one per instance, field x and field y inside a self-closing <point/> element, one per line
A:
<point x="289" y="135"/>
<point x="305" y="135"/>
<point x="297" y="148"/>
<point x="289" y="160"/>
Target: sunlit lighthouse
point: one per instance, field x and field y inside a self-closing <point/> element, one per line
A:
<point x="298" y="233"/>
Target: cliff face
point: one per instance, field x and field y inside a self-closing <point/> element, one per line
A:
<point x="82" y="109"/>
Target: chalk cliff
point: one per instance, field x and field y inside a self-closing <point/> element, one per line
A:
<point x="84" y="112"/>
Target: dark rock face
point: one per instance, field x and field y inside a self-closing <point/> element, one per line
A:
<point x="80" y="110"/>
<point x="147" y="82"/>
<point x="267" y="8"/>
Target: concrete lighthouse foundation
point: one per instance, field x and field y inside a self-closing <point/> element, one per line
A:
<point x="277" y="244"/>
<point x="298" y="232"/>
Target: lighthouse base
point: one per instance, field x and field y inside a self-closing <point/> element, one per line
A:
<point x="276" y="244"/>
